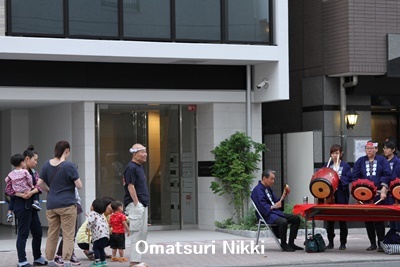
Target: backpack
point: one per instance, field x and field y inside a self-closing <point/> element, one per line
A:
<point x="315" y="243"/>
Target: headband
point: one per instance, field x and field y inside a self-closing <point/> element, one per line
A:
<point x="134" y="150"/>
<point x="371" y="144"/>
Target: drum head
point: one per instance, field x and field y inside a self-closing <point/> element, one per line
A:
<point x="363" y="193"/>
<point x="320" y="188"/>
<point x="396" y="192"/>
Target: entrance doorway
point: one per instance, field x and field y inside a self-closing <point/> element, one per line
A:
<point x="168" y="133"/>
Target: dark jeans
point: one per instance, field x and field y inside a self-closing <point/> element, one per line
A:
<point x="282" y="223"/>
<point x="98" y="248"/>
<point x="330" y="229"/>
<point x="379" y="228"/>
<point x="28" y="221"/>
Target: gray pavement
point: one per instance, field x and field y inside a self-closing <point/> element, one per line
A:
<point x="216" y="249"/>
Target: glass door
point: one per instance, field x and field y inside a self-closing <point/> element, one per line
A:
<point x="168" y="133"/>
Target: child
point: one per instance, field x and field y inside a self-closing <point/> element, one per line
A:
<point x="98" y="226"/>
<point x="21" y="182"/>
<point x="119" y="226"/>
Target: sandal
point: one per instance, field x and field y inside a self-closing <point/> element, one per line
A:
<point x="122" y="259"/>
<point x="89" y="254"/>
<point x="141" y="264"/>
<point x="115" y="259"/>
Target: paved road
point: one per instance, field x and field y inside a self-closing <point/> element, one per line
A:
<point x="229" y="250"/>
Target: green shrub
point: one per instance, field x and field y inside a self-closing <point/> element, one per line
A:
<point x="236" y="159"/>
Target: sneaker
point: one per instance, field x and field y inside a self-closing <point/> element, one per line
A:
<point x="36" y="205"/>
<point x="74" y="260"/>
<point x="59" y="260"/>
<point x="24" y="264"/>
<point x="54" y="264"/>
<point x="96" y="263"/>
<point x="103" y="263"/>
<point x="10" y="217"/>
<point x="40" y="262"/>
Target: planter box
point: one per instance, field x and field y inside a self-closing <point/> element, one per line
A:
<point x="264" y="233"/>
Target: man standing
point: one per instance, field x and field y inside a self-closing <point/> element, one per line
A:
<point x="136" y="201"/>
<point x="376" y="169"/>
<point x="270" y="208"/>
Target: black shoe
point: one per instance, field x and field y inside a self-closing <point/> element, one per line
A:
<point x="342" y="247"/>
<point x="371" y="248"/>
<point x="287" y="248"/>
<point x="296" y="247"/>
<point x="380" y="249"/>
<point x="329" y="246"/>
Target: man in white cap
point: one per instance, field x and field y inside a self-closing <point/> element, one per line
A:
<point x="136" y="201"/>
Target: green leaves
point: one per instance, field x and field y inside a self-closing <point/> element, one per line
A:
<point x="236" y="160"/>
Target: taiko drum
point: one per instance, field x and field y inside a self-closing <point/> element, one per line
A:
<point x="363" y="190"/>
<point x="324" y="183"/>
<point x="395" y="188"/>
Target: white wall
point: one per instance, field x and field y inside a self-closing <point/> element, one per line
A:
<point x="15" y="136"/>
<point x="300" y="165"/>
<point x="83" y="147"/>
<point x="216" y="122"/>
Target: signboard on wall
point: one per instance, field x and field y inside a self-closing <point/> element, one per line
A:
<point x="359" y="148"/>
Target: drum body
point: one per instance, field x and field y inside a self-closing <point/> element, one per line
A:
<point x="324" y="183"/>
<point x="395" y="188"/>
<point x="363" y="190"/>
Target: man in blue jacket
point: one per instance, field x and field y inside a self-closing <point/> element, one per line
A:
<point x="375" y="168"/>
<point x="270" y="207"/>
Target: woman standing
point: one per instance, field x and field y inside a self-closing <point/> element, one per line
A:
<point x="375" y="168"/>
<point x="59" y="179"/>
<point x="27" y="216"/>
<point x="389" y="150"/>
<point x="341" y="195"/>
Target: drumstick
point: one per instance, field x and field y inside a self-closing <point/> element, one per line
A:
<point x="284" y="192"/>
<point x="361" y="202"/>
<point x="378" y="201"/>
<point x="329" y="162"/>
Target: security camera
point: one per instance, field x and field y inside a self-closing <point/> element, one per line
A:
<point x="263" y="84"/>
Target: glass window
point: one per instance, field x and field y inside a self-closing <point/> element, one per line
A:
<point x="248" y="20"/>
<point x="93" y="17"/>
<point x="198" y="19"/>
<point x="159" y="128"/>
<point x="39" y="16"/>
<point x="147" y="19"/>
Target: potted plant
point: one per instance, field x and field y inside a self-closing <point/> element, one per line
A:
<point x="236" y="159"/>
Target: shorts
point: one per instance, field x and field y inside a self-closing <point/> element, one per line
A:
<point x="117" y="241"/>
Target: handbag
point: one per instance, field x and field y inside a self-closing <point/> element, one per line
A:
<point x="79" y="208"/>
<point x="315" y="243"/>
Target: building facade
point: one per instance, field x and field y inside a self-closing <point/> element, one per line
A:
<point x="343" y="56"/>
<point x="178" y="76"/>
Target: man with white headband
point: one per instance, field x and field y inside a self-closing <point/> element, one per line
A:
<point x="136" y="201"/>
<point x="374" y="168"/>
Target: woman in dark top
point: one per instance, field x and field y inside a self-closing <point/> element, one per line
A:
<point x="59" y="179"/>
<point x="27" y="216"/>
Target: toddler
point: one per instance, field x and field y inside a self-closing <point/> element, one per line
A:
<point x="100" y="232"/>
<point x="119" y="226"/>
<point x="21" y="181"/>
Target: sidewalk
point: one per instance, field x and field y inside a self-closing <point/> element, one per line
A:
<point x="215" y="249"/>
